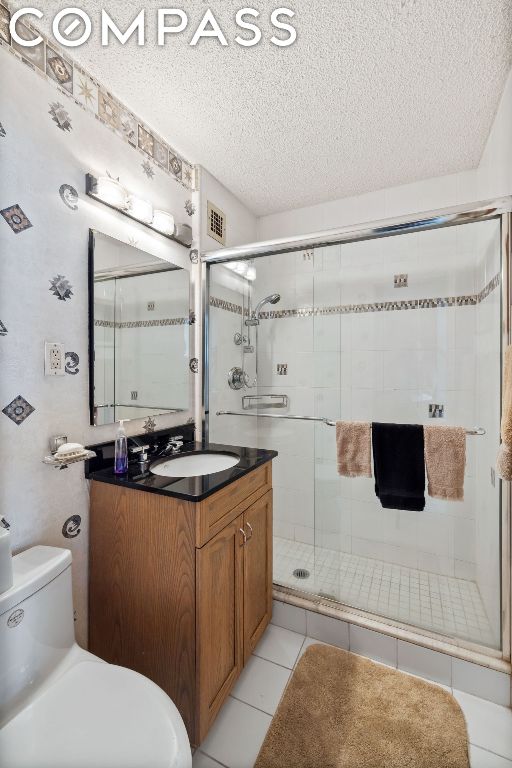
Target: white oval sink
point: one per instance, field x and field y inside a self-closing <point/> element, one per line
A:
<point x="195" y="465"/>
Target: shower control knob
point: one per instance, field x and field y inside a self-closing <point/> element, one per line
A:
<point x="237" y="378"/>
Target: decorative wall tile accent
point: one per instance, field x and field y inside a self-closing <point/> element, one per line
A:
<point x="71" y="527"/>
<point x="18" y="410"/>
<point x="16" y="218"/>
<point x="161" y="154"/>
<point x="379" y="306"/>
<point x="60" y="116"/>
<point x="190" y="207"/>
<point x="149" y="425"/>
<point x="108" y="110"/>
<point x="75" y="82"/>
<point x="282" y="369"/>
<point x="5" y="18"/>
<point x="148" y="169"/>
<point x="72" y="361"/>
<point x="194" y="256"/>
<point x="128" y="126"/>
<point x="59" y="69"/>
<point x="176" y="165"/>
<point x="69" y="196"/>
<point x="85" y="92"/>
<point x="32" y="55"/>
<point x="489" y="288"/>
<point x="401" y="281"/>
<point x="61" y="288"/>
<point x="3" y="133"/>
<point x="164" y="321"/>
<point x="146" y="141"/>
<point x="192" y="317"/>
<point x="3" y="329"/>
<point x="187" y="175"/>
<point x="226" y="305"/>
<point x="194" y="365"/>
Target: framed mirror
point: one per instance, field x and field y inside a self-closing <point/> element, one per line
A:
<point x="139" y="331"/>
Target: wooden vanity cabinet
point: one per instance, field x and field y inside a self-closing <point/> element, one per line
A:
<point x="180" y="591"/>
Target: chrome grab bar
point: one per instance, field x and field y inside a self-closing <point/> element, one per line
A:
<point x="321" y="419"/>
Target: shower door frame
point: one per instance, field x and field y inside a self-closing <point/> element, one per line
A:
<point x="500" y="208"/>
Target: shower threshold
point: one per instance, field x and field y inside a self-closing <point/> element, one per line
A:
<point x="443" y="605"/>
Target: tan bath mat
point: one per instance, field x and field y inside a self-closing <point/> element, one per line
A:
<point x="342" y="711"/>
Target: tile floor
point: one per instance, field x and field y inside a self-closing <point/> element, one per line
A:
<point x="447" y="605"/>
<point x="237" y="734"/>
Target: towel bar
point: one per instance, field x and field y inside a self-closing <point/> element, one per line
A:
<point x="321" y="419"/>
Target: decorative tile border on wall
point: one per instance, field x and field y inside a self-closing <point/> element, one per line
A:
<point x="378" y="306"/>
<point x="74" y="82"/>
<point x="143" y="323"/>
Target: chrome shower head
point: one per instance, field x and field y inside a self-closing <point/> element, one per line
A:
<point x="255" y="317"/>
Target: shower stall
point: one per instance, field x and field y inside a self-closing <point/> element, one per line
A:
<point x="401" y="321"/>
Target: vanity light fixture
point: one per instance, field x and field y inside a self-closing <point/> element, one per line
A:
<point x="164" y="222"/>
<point x="140" y="209"/>
<point x="110" y="192"/>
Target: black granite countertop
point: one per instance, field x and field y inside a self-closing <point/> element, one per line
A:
<point x="189" y="488"/>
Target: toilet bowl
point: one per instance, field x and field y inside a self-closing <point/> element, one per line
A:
<point x="60" y="706"/>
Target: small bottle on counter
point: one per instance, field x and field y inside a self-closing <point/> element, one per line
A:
<point x="5" y="556"/>
<point x="121" y="451"/>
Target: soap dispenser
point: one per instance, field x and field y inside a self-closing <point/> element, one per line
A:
<point x="5" y="556"/>
<point x="121" y="451"/>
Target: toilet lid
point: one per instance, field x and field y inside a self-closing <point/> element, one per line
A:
<point x="96" y="715"/>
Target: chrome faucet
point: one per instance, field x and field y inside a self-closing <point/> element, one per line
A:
<point x="141" y="451"/>
<point x="175" y="443"/>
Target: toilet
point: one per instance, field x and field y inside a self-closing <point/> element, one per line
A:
<point x="60" y="706"/>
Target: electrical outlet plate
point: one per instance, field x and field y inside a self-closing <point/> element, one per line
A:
<point x="54" y="359"/>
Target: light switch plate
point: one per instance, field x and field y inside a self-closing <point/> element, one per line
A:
<point x="54" y="359"/>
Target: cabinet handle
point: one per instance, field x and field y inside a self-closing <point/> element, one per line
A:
<point x="244" y="542"/>
<point x="250" y="529"/>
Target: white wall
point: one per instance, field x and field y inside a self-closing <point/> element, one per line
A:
<point x="241" y="224"/>
<point x="37" y="157"/>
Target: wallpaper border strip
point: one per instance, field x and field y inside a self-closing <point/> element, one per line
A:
<point x="75" y="82"/>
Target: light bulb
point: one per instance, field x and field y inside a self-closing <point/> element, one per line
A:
<point x="164" y="222"/>
<point x="110" y="191"/>
<point x="140" y="209"/>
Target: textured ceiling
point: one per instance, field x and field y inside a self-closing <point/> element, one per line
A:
<point x="373" y="93"/>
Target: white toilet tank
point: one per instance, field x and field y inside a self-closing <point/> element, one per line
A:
<point x="36" y="623"/>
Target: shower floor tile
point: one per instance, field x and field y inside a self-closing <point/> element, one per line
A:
<point x="444" y="604"/>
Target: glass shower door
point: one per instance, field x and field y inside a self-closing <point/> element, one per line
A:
<point x="398" y="337"/>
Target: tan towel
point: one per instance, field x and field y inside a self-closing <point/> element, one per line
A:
<point x="354" y="448"/>
<point x="504" y="459"/>
<point x="445" y="457"/>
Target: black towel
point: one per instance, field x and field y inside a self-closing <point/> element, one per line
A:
<point x="399" y="465"/>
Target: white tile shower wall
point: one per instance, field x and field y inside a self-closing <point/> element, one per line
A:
<point x="386" y="366"/>
<point x="38" y="157"/>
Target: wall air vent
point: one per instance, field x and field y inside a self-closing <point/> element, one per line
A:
<point x="216" y="224"/>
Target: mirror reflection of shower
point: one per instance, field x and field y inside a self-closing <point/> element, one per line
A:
<point x="253" y="321"/>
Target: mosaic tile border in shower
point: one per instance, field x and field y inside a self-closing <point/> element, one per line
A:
<point x="76" y="83"/>
<point x="378" y="306"/>
<point x="143" y="323"/>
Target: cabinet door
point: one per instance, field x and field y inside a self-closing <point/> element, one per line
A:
<point x="219" y="580"/>
<point x="257" y="571"/>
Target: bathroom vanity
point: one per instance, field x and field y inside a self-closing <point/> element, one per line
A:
<point x="180" y="575"/>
